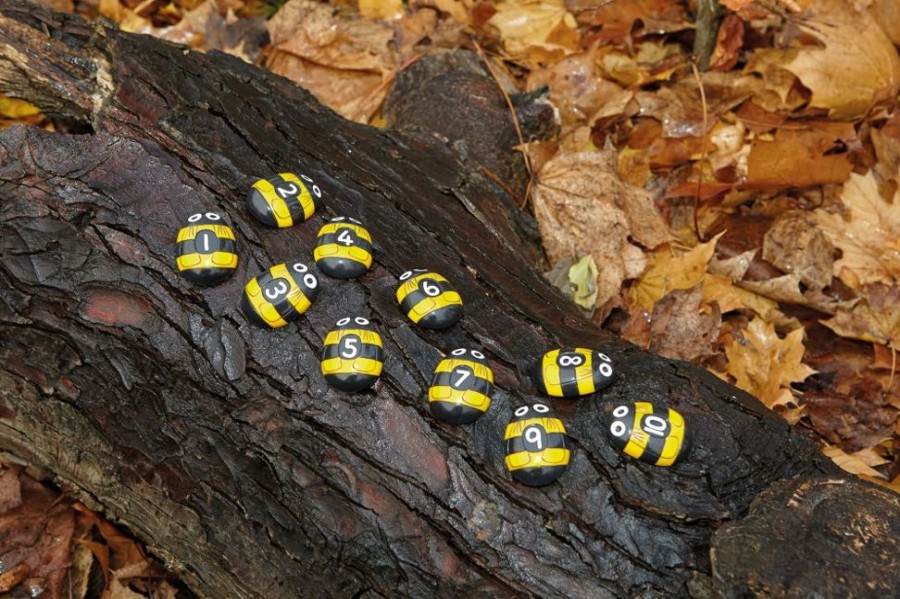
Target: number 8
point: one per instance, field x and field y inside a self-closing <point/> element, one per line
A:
<point x="576" y="360"/>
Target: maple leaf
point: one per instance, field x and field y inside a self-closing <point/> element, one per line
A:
<point x="765" y="365"/>
<point x="852" y="67"/>
<point x="868" y="234"/>
<point x="666" y="273"/>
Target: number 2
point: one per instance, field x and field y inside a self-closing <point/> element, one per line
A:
<point x="286" y="192"/>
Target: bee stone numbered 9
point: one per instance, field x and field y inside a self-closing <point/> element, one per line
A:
<point x="537" y="447"/>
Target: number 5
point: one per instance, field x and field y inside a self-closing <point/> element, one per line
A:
<point x="349" y="347"/>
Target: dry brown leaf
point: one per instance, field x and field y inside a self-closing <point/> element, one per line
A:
<point x="868" y="235"/>
<point x="876" y="318"/>
<point x="795" y="245"/>
<point x="652" y="61"/>
<point x="765" y="365"/>
<point x="666" y="272"/>
<point x="851" y="68"/>
<point x="536" y="32"/>
<point x="727" y="297"/>
<point x="342" y="61"/>
<point x="582" y="206"/>
<point x="887" y="14"/>
<point x="681" y="329"/>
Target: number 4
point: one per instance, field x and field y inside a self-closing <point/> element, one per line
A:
<point x="345" y="237"/>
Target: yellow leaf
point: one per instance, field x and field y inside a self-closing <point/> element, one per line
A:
<point x="722" y="291"/>
<point x="583" y="278"/>
<point x="381" y="9"/>
<point x="13" y="108"/>
<point x="666" y="273"/>
<point x="850" y="462"/>
<point x="536" y="31"/>
<point x="868" y="235"/>
<point x="764" y="364"/>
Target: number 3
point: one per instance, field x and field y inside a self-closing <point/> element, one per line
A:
<point x="273" y="293"/>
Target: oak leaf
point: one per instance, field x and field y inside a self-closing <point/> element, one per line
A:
<point x="764" y="364"/>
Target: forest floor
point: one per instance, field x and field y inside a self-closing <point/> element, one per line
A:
<point x="765" y="133"/>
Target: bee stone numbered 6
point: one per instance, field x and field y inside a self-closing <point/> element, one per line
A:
<point x="428" y="299"/>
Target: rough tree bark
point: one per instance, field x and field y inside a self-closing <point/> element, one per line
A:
<point x="223" y="448"/>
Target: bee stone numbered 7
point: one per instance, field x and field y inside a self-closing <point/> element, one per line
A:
<point x="537" y="447"/>
<point x="352" y="359"/>
<point x="573" y="372"/>
<point x="343" y="248"/>
<point x="280" y="295"/>
<point x="428" y="299"/>
<point x="461" y="389"/>
<point x="206" y="252"/>
<point x="653" y="435"/>
<point x="283" y="200"/>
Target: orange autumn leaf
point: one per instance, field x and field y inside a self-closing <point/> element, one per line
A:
<point x="765" y="365"/>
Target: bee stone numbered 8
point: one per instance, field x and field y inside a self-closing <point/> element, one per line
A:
<point x="573" y="372"/>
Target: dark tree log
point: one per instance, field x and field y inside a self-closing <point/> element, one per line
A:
<point x="221" y="445"/>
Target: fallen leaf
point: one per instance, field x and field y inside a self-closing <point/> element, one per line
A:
<point x="729" y="41"/>
<point x="876" y="318"/>
<point x="868" y="233"/>
<point x="381" y="9"/>
<point x="796" y="245"/>
<point x="342" y="61"/>
<point x="615" y="22"/>
<point x="844" y="59"/>
<point x="850" y="462"/>
<point x="583" y="279"/>
<point x="681" y="329"/>
<point x="722" y="291"/>
<point x="582" y="206"/>
<point x="536" y="32"/>
<point x="667" y="272"/>
<point x="801" y="156"/>
<point x="764" y="364"/>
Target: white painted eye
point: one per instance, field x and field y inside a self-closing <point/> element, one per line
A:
<point x="213" y="216"/>
<point x="617" y="429"/>
<point x="338" y="219"/>
<point x="360" y="321"/>
<point x="406" y="275"/>
<point x="478" y="354"/>
<point x="354" y="221"/>
<point x="342" y="322"/>
<point x="620" y="412"/>
<point x="195" y="217"/>
<point x="539" y="407"/>
<point x="521" y="411"/>
<point x="458" y="352"/>
<point x="306" y="178"/>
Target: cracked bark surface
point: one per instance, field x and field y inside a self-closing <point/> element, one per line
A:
<point x="221" y="445"/>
